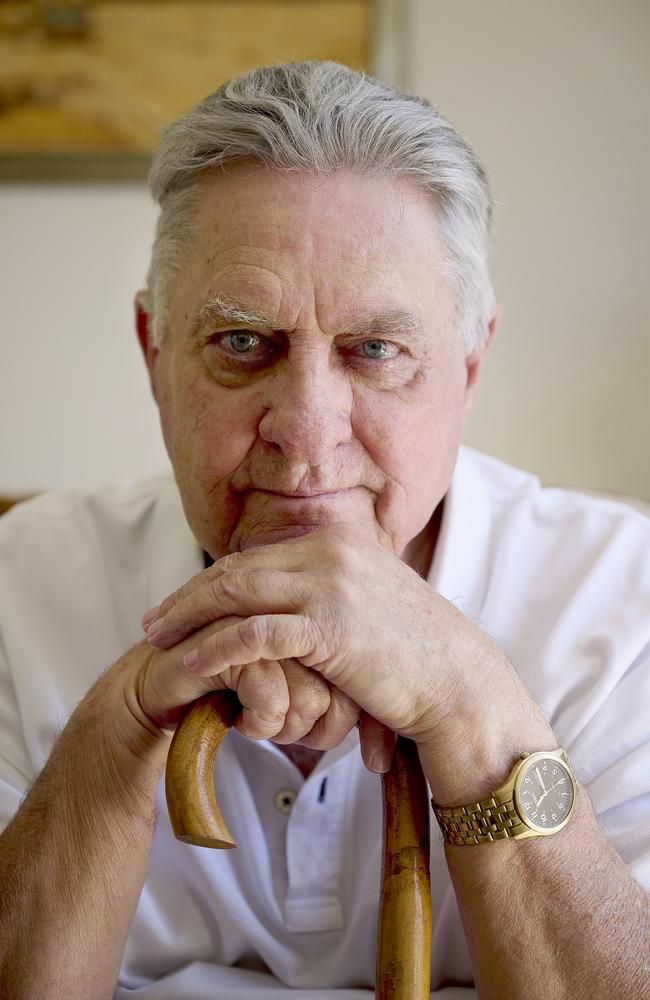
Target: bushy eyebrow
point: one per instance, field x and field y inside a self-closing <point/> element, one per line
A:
<point x="386" y="325"/>
<point x="221" y="309"/>
<point x="224" y="309"/>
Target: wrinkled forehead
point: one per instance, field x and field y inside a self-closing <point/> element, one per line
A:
<point x="280" y="242"/>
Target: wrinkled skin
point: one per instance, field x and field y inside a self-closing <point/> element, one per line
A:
<point x="312" y="391"/>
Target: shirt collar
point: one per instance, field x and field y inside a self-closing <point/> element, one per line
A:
<point x="460" y="565"/>
<point x="175" y="553"/>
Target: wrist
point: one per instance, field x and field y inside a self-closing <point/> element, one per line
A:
<point x="133" y="748"/>
<point x="472" y="752"/>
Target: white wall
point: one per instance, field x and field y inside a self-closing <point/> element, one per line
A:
<point x="75" y="407"/>
<point x="555" y="97"/>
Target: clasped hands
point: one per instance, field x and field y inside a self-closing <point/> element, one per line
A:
<point x="318" y="633"/>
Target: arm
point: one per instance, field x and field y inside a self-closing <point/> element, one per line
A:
<point x="554" y="918"/>
<point x="573" y="924"/>
<point x="74" y="858"/>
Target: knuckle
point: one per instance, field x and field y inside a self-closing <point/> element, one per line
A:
<point x="230" y="584"/>
<point x="214" y="589"/>
<point x="307" y="706"/>
<point x="224" y="564"/>
<point x="270" y="715"/>
<point x="253" y="633"/>
<point x="323" y="638"/>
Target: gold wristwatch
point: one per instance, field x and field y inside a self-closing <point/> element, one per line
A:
<point x="536" y="800"/>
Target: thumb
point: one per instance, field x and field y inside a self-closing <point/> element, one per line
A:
<point x="377" y="744"/>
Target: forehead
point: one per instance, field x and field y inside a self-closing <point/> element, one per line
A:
<point x="281" y="241"/>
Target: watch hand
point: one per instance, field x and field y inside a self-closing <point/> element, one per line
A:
<point x="541" y="781"/>
<point x="546" y="791"/>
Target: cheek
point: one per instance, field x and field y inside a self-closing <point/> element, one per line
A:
<point x="207" y="430"/>
<point x="208" y="435"/>
<point x="415" y="443"/>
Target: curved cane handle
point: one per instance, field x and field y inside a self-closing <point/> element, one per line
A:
<point x="189" y="774"/>
<point x="404" y="931"/>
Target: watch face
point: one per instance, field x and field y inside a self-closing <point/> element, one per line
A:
<point x="544" y="793"/>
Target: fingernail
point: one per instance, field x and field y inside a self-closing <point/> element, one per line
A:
<point x="191" y="659"/>
<point x="153" y="628"/>
<point x="380" y="761"/>
<point x="150" y="617"/>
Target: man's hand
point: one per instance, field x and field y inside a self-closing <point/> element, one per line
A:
<point x="287" y="703"/>
<point x="338" y="606"/>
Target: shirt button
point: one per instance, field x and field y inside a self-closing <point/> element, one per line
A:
<point x="284" y="800"/>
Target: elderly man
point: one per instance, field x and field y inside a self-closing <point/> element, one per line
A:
<point x="317" y="319"/>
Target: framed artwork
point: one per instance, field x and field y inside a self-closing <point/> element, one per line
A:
<point x="86" y="85"/>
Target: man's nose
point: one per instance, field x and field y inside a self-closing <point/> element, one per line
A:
<point x="308" y="410"/>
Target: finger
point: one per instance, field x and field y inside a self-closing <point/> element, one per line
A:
<point x="261" y="637"/>
<point x="264" y="695"/>
<point x="377" y="744"/>
<point x="329" y="730"/>
<point x="165" y="687"/>
<point x="310" y="697"/>
<point x="282" y="554"/>
<point x="236" y="591"/>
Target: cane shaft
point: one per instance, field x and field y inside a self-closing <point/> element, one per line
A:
<point x="404" y="931"/>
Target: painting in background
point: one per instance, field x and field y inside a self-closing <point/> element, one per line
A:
<point x="85" y="87"/>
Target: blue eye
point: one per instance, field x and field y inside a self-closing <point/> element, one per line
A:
<point x="242" y="342"/>
<point x="379" y="349"/>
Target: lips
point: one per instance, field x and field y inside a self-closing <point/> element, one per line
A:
<point x="306" y="495"/>
<point x="269" y="516"/>
<point x="303" y="508"/>
<point x="320" y="495"/>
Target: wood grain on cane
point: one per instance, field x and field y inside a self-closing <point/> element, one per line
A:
<point x="189" y="776"/>
<point x="404" y="930"/>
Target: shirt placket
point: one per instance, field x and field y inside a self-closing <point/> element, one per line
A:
<point x="314" y="855"/>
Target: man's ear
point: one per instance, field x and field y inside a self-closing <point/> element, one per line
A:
<point x="475" y="362"/>
<point x="143" y="329"/>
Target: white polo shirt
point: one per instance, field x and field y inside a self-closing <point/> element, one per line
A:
<point x="560" y="580"/>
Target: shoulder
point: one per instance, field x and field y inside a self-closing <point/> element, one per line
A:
<point x="110" y="499"/>
<point x="524" y="510"/>
<point x="61" y="521"/>
<point x="85" y="556"/>
<point x="554" y="569"/>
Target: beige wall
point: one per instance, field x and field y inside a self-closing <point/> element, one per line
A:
<point x="556" y="98"/>
<point x="75" y="408"/>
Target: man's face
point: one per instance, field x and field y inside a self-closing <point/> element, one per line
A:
<point x="311" y="372"/>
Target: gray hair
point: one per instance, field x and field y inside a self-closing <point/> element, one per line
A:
<point x="320" y="117"/>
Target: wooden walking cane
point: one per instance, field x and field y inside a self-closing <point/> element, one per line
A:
<point x="404" y="931"/>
